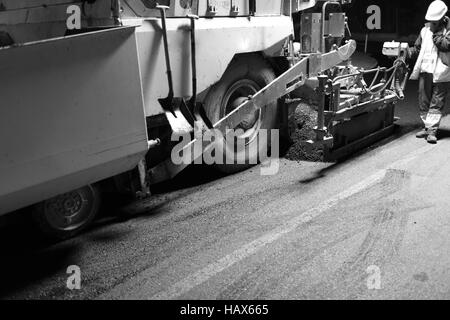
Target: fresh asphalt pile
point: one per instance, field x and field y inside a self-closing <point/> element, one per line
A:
<point x="302" y="120"/>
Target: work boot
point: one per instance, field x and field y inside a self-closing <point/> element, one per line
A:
<point x="432" y="138"/>
<point x="422" y="134"/>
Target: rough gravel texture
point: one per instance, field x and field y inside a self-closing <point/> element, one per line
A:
<point x="301" y="128"/>
<point x="398" y="225"/>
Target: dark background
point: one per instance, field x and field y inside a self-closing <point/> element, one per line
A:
<point x="404" y="18"/>
<point x="401" y="20"/>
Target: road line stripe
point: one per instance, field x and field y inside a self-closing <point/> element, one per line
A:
<point x="184" y="286"/>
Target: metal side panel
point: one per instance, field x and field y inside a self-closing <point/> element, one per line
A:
<point x="71" y="114"/>
<point x="218" y="41"/>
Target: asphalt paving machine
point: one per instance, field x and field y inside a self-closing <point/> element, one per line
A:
<point x="96" y="107"/>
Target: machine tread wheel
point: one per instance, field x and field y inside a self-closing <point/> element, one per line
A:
<point x="66" y="215"/>
<point x="246" y="75"/>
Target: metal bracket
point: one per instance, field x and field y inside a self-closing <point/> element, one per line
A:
<point x="323" y="138"/>
<point x="144" y="181"/>
<point x="252" y="7"/>
<point x="211" y="8"/>
<point x="234" y="8"/>
<point x="326" y="142"/>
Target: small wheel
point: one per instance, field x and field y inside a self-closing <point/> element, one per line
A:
<point x="66" y="215"/>
<point x="246" y="75"/>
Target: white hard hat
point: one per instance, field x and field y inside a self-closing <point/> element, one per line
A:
<point x="436" y="11"/>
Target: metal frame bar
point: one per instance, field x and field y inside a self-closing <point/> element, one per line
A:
<point x="289" y="81"/>
<point x="363" y="107"/>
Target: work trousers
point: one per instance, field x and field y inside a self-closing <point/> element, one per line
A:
<point x="432" y="97"/>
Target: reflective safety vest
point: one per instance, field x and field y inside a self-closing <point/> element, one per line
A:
<point x="430" y="59"/>
<point x="430" y="54"/>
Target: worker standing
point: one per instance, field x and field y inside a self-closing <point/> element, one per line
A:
<point x="432" y="69"/>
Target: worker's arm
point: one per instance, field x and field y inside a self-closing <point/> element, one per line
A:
<point x="441" y="37"/>
<point x="442" y="41"/>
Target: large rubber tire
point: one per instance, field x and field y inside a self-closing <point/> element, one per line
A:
<point x="246" y="75"/>
<point x="66" y="215"/>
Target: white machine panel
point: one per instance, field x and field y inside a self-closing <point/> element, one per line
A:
<point x="71" y="114"/>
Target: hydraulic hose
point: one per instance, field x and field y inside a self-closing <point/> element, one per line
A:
<point x="393" y="79"/>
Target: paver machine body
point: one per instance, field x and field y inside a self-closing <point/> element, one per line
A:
<point x="96" y="107"/>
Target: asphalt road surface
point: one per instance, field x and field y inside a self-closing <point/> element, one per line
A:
<point x="376" y="226"/>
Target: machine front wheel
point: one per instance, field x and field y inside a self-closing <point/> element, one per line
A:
<point x="66" y="215"/>
<point x="245" y="76"/>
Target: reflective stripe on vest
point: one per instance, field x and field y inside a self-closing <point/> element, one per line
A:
<point x="430" y="53"/>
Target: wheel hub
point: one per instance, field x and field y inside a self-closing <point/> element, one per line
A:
<point x="69" y="210"/>
<point x="234" y="97"/>
<point x="250" y="119"/>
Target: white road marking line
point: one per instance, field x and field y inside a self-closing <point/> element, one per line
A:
<point x="184" y="286"/>
<point x="248" y="250"/>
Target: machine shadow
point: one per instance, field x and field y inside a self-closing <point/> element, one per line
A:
<point x="444" y="134"/>
<point x="400" y="132"/>
<point x="28" y="259"/>
<point x="193" y="176"/>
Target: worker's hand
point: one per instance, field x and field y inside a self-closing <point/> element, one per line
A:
<point x="445" y="22"/>
<point x="408" y="53"/>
